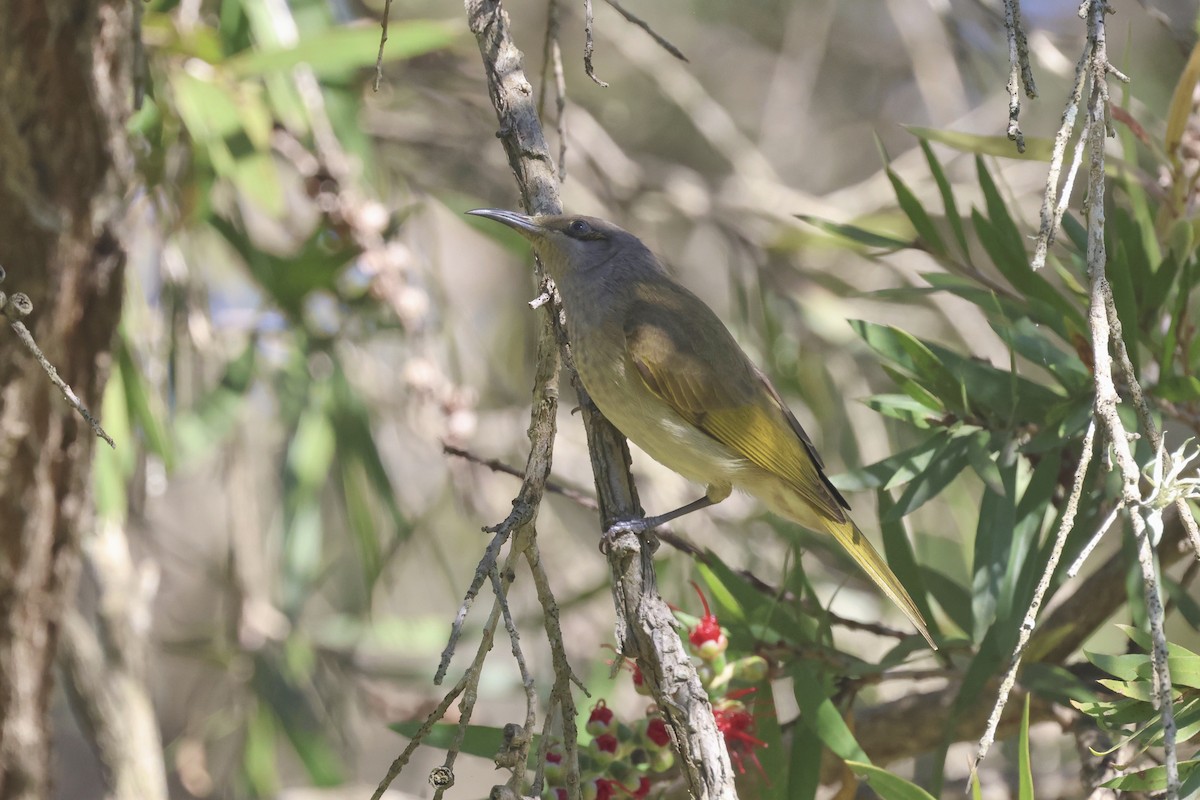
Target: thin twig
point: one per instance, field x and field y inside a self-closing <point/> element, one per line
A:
<point x="1019" y="70"/>
<point x="553" y="487"/>
<point x="18" y="305"/>
<point x="1073" y="570"/>
<point x="1065" y="526"/>
<point x="564" y="676"/>
<point x="552" y="61"/>
<point x="662" y="42"/>
<point x="1050" y="218"/>
<point x="1106" y="392"/>
<point x="387" y="11"/>
<point x="589" y="44"/>
<point x="521" y="754"/>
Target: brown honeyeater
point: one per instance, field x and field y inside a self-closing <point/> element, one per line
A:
<point x="664" y="369"/>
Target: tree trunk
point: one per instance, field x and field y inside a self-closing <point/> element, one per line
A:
<point x="65" y="96"/>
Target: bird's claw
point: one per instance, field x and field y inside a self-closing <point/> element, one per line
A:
<point x="638" y="527"/>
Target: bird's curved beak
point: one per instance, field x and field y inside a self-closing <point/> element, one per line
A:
<point x="522" y="224"/>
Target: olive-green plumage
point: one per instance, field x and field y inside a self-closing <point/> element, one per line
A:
<point x="664" y="369"/>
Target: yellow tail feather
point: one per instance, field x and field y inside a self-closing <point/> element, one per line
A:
<point x="860" y="547"/>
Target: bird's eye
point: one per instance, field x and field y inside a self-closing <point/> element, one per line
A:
<point x="579" y="228"/>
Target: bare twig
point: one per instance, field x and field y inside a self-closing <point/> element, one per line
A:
<point x="1019" y="70"/>
<point x="1106" y="392"/>
<point x="387" y="12"/>
<point x="1064" y="528"/>
<point x="636" y="20"/>
<point x="17" y="306"/>
<point x="1051" y="217"/>
<point x="589" y="44"/>
<point x="552" y="61"/>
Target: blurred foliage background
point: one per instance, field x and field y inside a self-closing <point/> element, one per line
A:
<point x="310" y="319"/>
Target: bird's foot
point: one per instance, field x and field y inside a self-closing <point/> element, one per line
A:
<point x="638" y="527"/>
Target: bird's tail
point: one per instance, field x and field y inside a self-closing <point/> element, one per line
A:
<point x="860" y="547"/>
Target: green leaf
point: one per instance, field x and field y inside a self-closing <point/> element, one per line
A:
<point x="993" y="541"/>
<point x="927" y="233"/>
<point x="339" y="50"/>
<point x="857" y="235"/>
<point x="953" y="598"/>
<point x="818" y="713"/>
<point x="1154" y="779"/>
<point x="804" y="769"/>
<point x="903" y="561"/>
<point x="887" y="785"/>
<point x="233" y="124"/>
<point x="751" y="616"/>
<point x="944" y="467"/>
<point x="903" y="407"/>
<point x="948" y="203"/>
<point x="1185" y="603"/>
<point x="895" y="470"/>
<point x="1005" y="229"/>
<point x="918" y="359"/>
<point x="297" y="709"/>
<point x="258" y="753"/>
<point x="1024" y="771"/>
<point x="1124" y="667"/>
<point x="1033" y="345"/>
<point x="1056" y="683"/>
<point x="1036" y="148"/>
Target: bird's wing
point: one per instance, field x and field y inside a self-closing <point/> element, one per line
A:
<point x="677" y="362"/>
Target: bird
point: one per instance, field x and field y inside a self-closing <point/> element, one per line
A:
<point x="662" y="367"/>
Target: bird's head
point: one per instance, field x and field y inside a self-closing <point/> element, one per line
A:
<point x="578" y="249"/>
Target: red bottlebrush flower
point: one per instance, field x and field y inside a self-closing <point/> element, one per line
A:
<point x="639" y="681"/>
<point x="601" y="719"/>
<point x="642" y="790"/>
<point x="706" y="637"/>
<point x="736" y="724"/>
<point x="656" y="732"/>
<point x="607" y="743"/>
<point x="604" y="789"/>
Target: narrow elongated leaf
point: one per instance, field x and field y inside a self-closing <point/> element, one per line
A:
<point x="804" y="772"/>
<point x="903" y="561"/>
<point x="922" y="223"/>
<point x="857" y="235"/>
<point x="338" y="50"/>
<point x="945" y="467"/>
<point x="1024" y="769"/>
<point x="993" y="540"/>
<point x="887" y="785"/>
<point x="1181" y="102"/>
<point x="1154" y="779"/>
<point x="894" y="470"/>
<point x="948" y="202"/>
<point x="818" y="713"/>
<point x="953" y="598"/>
<point x="1036" y="148"/>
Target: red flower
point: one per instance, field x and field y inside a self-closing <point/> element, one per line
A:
<point x="601" y="719"/>
<point x="706" y="637"/>
<point x="736" y="724"/>
<point x="656" y="732"/>
<point x="642" y="790"/>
